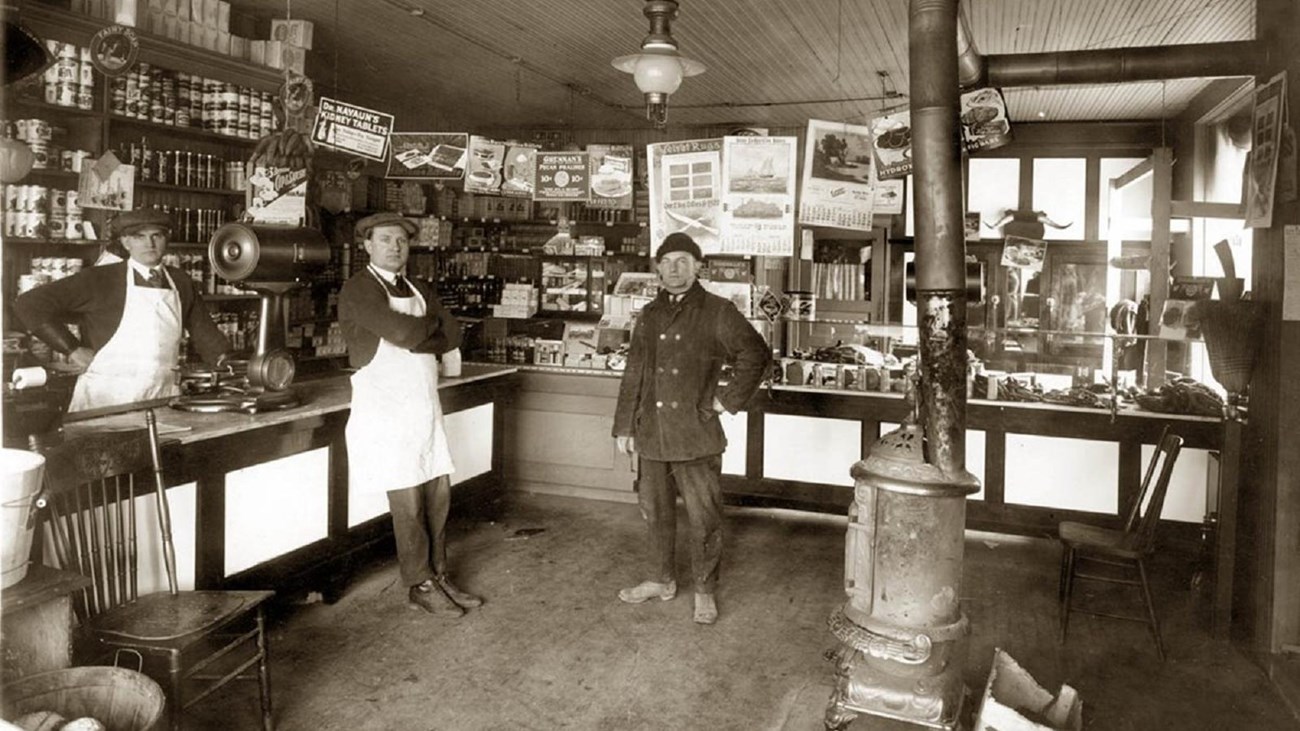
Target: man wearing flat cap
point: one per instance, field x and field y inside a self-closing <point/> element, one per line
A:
<point x="395" y="329"/>
<point x="130" y="317"/>
<point x="668" y="410"/>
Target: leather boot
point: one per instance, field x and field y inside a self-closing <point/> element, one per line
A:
<point x="464" y="599"/>
<point x="706" y="609"/>
<point x="429" y="596"/>
<point x="647" y="590"/>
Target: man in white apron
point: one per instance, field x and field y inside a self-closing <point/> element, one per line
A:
<point x="395" y="328"/>
<point x="131" y="316"/>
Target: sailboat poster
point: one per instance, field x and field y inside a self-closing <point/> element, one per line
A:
<point x="758" y="185"/>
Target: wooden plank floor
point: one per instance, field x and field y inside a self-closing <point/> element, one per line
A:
<point x="553" y="648"/>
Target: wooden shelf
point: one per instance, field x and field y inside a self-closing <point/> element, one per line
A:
<point x="191" y="132"/>
<point x="55" y="173"/>
<point x="44" y="242"/>
<point x="230" y="297"/>
<point x="47" y="21"/>
<point x="42" y="105"/>
<point x="149" y="185"/>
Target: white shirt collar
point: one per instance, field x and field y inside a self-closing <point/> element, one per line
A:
<point x="143" y="270"/>
<point x="390" y="277"/>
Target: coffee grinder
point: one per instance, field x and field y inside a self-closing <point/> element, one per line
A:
<point x="270" y="260"/>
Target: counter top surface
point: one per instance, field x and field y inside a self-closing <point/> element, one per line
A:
<point x="320" y="396"/>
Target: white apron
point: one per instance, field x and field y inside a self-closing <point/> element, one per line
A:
<point x="395" y="435"/>
<point x="138" y="363"/>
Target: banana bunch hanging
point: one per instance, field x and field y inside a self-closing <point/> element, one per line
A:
<point x="287" y="148"/>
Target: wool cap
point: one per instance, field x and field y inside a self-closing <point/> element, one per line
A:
<point x="679" y="241"/>
<point x="129" y="222"/>
<point x="387" y="218"/>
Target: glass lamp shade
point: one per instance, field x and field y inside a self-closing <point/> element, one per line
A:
<point x="658" y="73"/>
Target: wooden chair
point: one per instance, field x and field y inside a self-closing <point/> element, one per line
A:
<point x="204" y="639"/>
<point x="1126" y="548"/>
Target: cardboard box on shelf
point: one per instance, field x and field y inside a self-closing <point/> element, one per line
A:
<point x="294" y="32"/>
<point x="274" y="56"/>
<point x="171" y="7"/>
<point x="239" y="47"/>
<point x="257" y="51"/>
<point x="223" y="16"/>
<point x="294" y="58"/>
<point x="210" y="38"/>
<point x="154" y="23"/>
<point x="183" y="29"/>
<point x="223" y="43"/>
<point x="197" y="9"/>
<point x="211" y="10"/>
<point x="171" y="27"/>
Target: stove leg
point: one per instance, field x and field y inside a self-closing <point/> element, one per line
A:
<point x="839" y="716"/>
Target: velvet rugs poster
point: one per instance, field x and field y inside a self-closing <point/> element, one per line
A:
<point x="686" y="192"/>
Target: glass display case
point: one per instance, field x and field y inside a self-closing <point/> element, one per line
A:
<point x="572" y="284"/>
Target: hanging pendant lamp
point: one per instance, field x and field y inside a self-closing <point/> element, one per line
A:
<point x="658" y="69"/>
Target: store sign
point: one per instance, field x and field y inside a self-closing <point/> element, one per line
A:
<point x="562" y="176"/>
<point x="352" y="129"/>
<point x="113" y="50"/>
<point x="277" y="195"/>
<point x="610" y="167"/>
<point x="484" y="166"/>
<point x="892" y="145"/>
<point x="984" y="121"/>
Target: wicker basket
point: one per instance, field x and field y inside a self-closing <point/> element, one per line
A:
<point x="1232" y="334"/>
<point x="121" y="699"/>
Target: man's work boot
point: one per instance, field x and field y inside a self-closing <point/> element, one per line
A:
<point x="648" y="590"/>
<point x="462" y="598"/>
<point x="706" y="610"/>
<point x="428" y="596"/>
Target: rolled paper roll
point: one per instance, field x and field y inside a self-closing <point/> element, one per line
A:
<point x="33" y="377"/>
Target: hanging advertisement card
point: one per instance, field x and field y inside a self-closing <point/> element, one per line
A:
<point x="352" y="129"/>
<point x="484" y="164"/>
<point x="889" y="198"/>
<point x="984" y="122"/>
<point x="428" y="155"/>
<point x="610" y="167"/>
<point x="520" y="171"/>
<point x="1269" y="116"/>
<point x="685" y="192"/>
<point x="839" y="177"/>
<point x="1024" y="253"/>
<point x="892" y="145"/>
<point x="277" y="195"/>
<point x="562" y="176"/>
<point x="107" y="184"/>
<point x="758" y="180"/>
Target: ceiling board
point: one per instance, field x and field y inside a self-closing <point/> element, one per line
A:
<point x="521" y="63"/>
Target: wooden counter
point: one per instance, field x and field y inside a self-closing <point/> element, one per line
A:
<point x="262" y="500"/>
<point x="794" y="446"/>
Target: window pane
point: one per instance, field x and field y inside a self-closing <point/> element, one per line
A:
<point x="994" y="189"/>
<point x="1060" y="188"/>
<point x="1135" y="199"/>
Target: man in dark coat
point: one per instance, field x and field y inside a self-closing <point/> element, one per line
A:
<point x="668" y="413"/>
<point x="130" y="317"/>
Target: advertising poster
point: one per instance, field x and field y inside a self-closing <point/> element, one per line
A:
<point x="277" y="195"/>
<point x="889" y="198"/>
<point x="561" y="176"/>
<point x="520" y="171"/>
<point x="758" y="183"/>
<point x="483" y="165"/>
<point x="352" y="129"/>
<point x="984" y="122"/>
<point x="611" y="176"/>
<point x="1269" y="116"/>
<point x="891" y="137"/>
<point x="428" y="155"/>
<point x="686" y="192"/>
<point x="107" y="184"/>
<point x="1024" y="253"/>
<point x="839" y="177"/>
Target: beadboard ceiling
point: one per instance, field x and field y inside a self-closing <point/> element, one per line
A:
<point x="484" y="64"/>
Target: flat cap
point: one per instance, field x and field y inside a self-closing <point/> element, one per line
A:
<point x="128" y="222"/>
<point x="387" y="218"/>
<point x="679" y="241"/>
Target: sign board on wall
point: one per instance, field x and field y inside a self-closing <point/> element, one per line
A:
<point x="839" y="176"/>
<point x="611" y="176"/>
<point x="686" y="192"/>
<point x="352" y="129"/>
<point x="758" y="183"/>
<point x="562" y="176"/>
<point x="428" y="155"/>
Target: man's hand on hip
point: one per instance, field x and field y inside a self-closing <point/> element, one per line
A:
<point x="626" y="445"/>
<point x="80" y="358"/>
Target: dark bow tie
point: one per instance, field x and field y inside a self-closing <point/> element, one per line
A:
<point x="400" y="287"/>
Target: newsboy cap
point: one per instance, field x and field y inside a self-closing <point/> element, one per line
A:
<point x="679" y="241"/>
<point x="387" y="218"/>
<point x="129" y="222"/>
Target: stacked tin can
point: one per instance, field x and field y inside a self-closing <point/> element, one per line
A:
<point x="70" y="81"/>
<point x="39" y="212"/>
<point x="189" y="100"/>
<point x="38" y="134"/>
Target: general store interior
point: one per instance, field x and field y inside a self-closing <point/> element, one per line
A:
<point x="1080" y="367"/>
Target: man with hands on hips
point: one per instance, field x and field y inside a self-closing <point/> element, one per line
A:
<point x="669" y="403"/>
<point x="130" y="317"/>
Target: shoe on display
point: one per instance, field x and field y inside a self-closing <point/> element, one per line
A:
<point x="428" y="596"/>
<point x="648" y="590"/>
<point x="464" y="599"/>
<point x="706" y="609"/>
